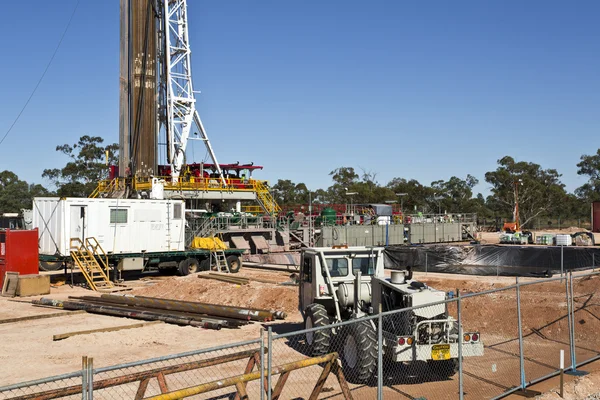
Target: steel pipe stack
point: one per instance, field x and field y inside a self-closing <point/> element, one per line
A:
<point x="204" y="315"/>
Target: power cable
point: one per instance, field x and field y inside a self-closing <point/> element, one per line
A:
<point x="43" y="74"/>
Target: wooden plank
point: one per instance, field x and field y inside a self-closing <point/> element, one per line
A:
<point x="141" y="392"/>
<point x="279" y="386"/>
<point x="111" y="329"/>
<point x="41" y="316"/>
<point x="162" y="383"/>
<point x="218" y="278"/>
<point x="11" y="283"/>
<point x="319" y="386"/>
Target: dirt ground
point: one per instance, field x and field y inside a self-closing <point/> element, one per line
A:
<point x="27" y="350"/>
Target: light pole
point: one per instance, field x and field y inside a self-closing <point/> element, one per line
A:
<point x="437" y="200"/>
<point x="517" y="223"/>
<point x="310" y="222"/>
<point x="351" y="203"/>
<point x="401" y="195"/>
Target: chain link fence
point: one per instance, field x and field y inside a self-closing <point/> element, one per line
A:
<point x="480" y="345"/>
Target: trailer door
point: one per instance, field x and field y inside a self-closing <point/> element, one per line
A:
<point x="78" y="219"/>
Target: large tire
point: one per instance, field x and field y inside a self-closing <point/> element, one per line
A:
<point x="234" y="263"/>
<point x="50" y="266"/>
<point x="359" y="352"/>
<point x="189" y="266"/>
<point x="317" y="342"/>
<point x="444" y="368"/>
<point x="205" y="264"/>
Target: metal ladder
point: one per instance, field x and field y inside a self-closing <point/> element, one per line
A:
<point x="92" y="261"/>
<point x="219" y="257"/>
<point x="220" y="260"/>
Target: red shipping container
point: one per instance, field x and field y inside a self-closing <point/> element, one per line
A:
<point x="18" y="252"/>
<point x="596" y="216"/>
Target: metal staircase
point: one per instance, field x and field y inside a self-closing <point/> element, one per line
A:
<point x="265" y="199"/>
<point x="92" y="261"/>
<point x="204" y="229"/>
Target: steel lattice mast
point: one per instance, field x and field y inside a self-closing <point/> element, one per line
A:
<point x="180" y="104"/>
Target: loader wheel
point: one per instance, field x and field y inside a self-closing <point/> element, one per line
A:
<point x="234" y="263"/>
<point x="444" y="368"/>
<point x="359" y="352"/>
<point x="189" y="266"/>
<point x="317" y="342"/>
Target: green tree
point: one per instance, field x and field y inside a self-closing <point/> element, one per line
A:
<point x="540" y="191"/>
<point x="590" y="167"/>
<point x="85" y="168"/>
<point x="16" y="194"/>
<point x="416" y="194"/>
<point x="454" y="195"/>
<point x="288" y="192"/>
<point x="344" y="180"/>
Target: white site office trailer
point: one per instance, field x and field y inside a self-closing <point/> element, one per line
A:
<point x="120" y="225"/>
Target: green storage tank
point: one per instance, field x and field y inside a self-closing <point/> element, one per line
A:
<point x="328" y="216"/>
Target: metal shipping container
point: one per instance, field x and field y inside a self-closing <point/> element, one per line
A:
<point x="119" y="225"/>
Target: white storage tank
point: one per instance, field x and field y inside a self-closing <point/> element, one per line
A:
<point x="564" y="240"/>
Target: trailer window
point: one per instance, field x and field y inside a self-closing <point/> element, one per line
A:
<point x="176" y="211"/>
<point x="118" y="216"/>
<point x="366" y="266"/>
<point x="337" y="266"/>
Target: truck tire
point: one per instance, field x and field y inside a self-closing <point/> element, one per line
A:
<point x="317" y="342"/>
<point x="50" y="266"/>
<point x="444" y="368"/>
<point x="234" y="263"/>
<point x="205" y="264"/>
<point x="359" y="352"/>
<point x="189" y="266"/>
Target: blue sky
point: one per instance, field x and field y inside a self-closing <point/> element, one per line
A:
<point x="422" y="90"/>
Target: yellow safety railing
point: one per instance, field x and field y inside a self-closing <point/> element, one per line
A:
<point x="264" y="197"/>
<point x="86" y="256"/>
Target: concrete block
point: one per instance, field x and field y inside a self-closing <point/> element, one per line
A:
<point x="33" y="285"/>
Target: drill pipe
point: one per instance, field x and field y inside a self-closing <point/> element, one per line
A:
<point x="116" y="310"/>
<point x="208" y="323"/>
<point x="199" y="317"/>
<point x="189" y="306"/>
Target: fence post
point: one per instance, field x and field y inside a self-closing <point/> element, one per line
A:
<point x="269" y="361"/>
<point x="262" y="363"/>
<point x="521" y="348"/>
<point x="570" y="301"/>
<point x="84" y="377"/>
<point x="425" y="261"/>
<point x="90" y="380"/>
<point x="561" y="260"/>
<point x="380" y="355"/>
<point x="460" y="348"/>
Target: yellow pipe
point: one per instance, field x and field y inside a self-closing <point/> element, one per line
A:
<point x="252" y="376"/>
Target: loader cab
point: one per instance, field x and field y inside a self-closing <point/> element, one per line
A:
<point x="341" y="265"/>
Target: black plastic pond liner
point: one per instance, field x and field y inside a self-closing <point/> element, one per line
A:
<point x="532" y="261"/>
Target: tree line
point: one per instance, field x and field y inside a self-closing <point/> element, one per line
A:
<point x="540" y="191"/>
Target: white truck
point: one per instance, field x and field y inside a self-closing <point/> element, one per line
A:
<point x="344" y="283"/>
